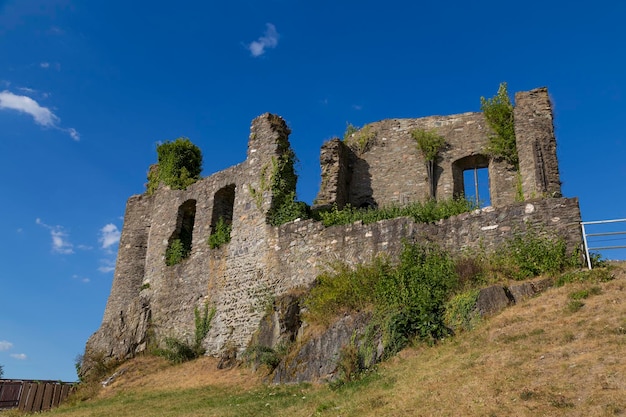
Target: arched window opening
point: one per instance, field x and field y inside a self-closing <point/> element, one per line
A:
<point x="222" y="217"/>
<point x="179" y="244"/>
<point x="471" y="179"/>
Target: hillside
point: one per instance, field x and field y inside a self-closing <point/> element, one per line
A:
<point x="546" y="356"/>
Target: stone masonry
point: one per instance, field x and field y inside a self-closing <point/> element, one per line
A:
<point x="261" y="262"/>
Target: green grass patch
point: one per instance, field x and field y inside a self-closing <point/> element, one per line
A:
<point x="426" y="212"/>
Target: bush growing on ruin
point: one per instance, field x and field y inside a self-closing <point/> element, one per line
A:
<point x="430" y="144"/>
<point x="179" y="351"/>
<point x="498" y="112"/>
<point x="221" y="234"/>
<point x="179" y="165"/>
<point x="175" y="252"/>
<point x="359" y="140"/>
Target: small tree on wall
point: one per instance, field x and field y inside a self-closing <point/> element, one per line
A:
<point x="179" y="165"/>
<point x="498" y="111"/>
<point x="429" y="143"/>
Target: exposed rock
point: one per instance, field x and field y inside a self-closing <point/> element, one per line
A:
<point x="491" y="300"/>
<point x="317" y="358"/>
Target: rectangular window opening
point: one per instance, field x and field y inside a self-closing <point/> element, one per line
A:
<point x="476" y="186"/>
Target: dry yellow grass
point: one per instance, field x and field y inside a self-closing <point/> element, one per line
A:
<point x="539" y="358"/>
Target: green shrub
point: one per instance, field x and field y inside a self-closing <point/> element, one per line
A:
<point x="344" y="289"/>
<point x="221" y="234"/>
<point x="412" y="297"/>
<point x="175" y="252"/>
<point x="350" y="130"/>
<point x="288" y="211"/>
<point x="585" y="275"/>
<point x="359" y="140"/>
<point x="429" y="142"/>
<point x="179" y="351"/>
<point x="460" y="311"/>
<point x="267" y="356"/>
<point x="498" y="112"/>
<point x="407" y="299"/>
<point x="179" y="165"/>
<point x="530" y="254"/>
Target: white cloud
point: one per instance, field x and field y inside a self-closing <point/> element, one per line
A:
<point x="4" y="345"/>
<point x="44" y="65"/>
<point x="43" y="116"/>
<point x="106" y="266"/>
<point x="20" y="356"/>
<point x="60" y="238"/>
<point x="81" y="279"/>
<point x="268" y="40"/>
<point x="73" y="134"/>
<point x="109" y="235"/>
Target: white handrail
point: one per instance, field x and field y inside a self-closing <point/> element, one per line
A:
<point x="585" y="235"/>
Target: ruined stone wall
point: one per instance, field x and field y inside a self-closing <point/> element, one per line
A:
<point x="391" y="170"/>
<point x="229" y="278"/>
<point x="261" y="261"/>
<point x="536" y="144"/>
<point x="302" y="249"/>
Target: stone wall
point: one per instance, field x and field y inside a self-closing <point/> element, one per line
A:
<point x="262" y="262"/>
<point x="536" y="144"/>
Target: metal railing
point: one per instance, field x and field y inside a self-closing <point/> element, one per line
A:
<point x="586" y="237"/>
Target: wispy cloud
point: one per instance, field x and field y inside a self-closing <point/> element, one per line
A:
<point x="20" y="356"/>
<point x="268" y="40"/>
<point x="60" y="238"/>
<point x="43" y="116"/>
<point x="109" y="236"/>
<point x="106" y="266"/>
<point x="4" y="345"/>
<point x="54" y="65"/>
<point x="81" y="279"/>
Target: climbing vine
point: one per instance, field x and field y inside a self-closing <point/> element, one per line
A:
<point x="498" y="111"/>
<point x="283" y="181"/>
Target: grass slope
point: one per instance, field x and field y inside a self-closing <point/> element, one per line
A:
<point x="547" y="356"/>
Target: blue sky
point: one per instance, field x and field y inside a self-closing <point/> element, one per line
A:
<point x="87" y="89"/>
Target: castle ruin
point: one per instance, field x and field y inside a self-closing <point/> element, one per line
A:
<point x="262" y="261"/>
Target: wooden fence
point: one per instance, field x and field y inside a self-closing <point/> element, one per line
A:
<point x="32" y="396"/>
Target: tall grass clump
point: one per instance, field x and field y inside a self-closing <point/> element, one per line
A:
<point x="426" y="212"/>
<point x="179" y="351"/>
<point x="532" y="253"/>
<point x="407" y="299"/>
